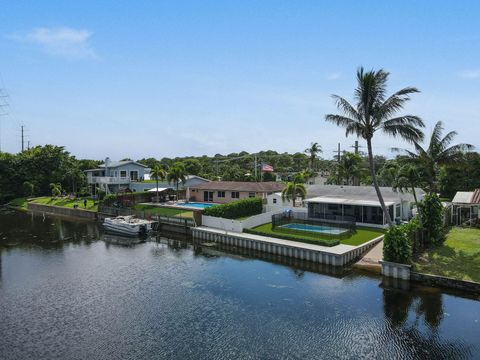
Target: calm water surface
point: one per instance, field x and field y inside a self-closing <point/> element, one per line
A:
<point x="66" y="293"/>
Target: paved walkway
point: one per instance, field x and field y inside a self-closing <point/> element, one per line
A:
<point x="371" y="259"/>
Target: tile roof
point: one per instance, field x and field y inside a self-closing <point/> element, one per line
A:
<point x="270" y="186"/>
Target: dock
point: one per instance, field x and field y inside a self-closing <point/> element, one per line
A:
<point x="339" y="255"/>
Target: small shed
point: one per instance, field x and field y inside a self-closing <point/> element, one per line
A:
<point x="465" y="209"/>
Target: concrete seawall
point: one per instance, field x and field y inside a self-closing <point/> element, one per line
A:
<point x="62" y="211"/>
<point x="339" y="255"/>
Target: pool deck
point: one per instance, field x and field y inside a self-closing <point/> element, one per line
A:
<point x="338" y="255"/>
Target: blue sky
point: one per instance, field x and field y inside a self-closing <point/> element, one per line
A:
<point x="141" y="79"/>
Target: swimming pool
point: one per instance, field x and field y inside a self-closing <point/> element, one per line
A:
<point x="196" y="205"/>
<point x="315" y="228"/>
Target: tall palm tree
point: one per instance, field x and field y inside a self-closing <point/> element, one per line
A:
<point x="438" y="153"/>
<point x="176" y="175"/>
<point x="407" y="178"/>
<point x="374" y="111"/>
<point x="312" y="152"/>
<point x="158" y="173"/>
<point x="294" y="190"/>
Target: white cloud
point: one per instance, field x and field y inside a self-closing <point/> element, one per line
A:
<point x="65" y="41"/>
<point x="334" y="76"/>
<point x="470" y="74"/>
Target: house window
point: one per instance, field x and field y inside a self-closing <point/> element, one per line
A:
<point x="274" y="201"/>
<point x="235" y="195"/>
<point x="397" y="211"/>
<point x="123" y="173"/>
<point x="221" y="194"/>
<point x="251" y="194"/>
<point x="134" y="175"/>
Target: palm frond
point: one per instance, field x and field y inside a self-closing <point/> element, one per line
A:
<point x="345" y="107"/>
<point x="407" y="132"/>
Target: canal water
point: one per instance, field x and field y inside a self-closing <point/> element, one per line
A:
<point x="67" y="291"/>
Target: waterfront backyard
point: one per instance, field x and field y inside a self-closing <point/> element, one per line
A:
<point x="358" y="237"/>
<point x="458" y="257"/>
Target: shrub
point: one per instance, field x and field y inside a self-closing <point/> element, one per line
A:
<point x="236" y="209"/>
<point x="396" y="245"/>
<point x="431" y="217"/>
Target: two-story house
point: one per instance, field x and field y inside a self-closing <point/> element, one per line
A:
<point x="112" y="176"/>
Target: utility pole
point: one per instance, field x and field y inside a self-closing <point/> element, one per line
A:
<point x="255" y="165"/>
<point x="23" y="140"/>
<point x="3" y="104"/>
<point x="28" y="145"/>
<point x="338" y="161"/>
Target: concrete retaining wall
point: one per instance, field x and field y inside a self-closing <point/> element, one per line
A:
<point x="292" y="249"/>
<point x="394" y="270"/>
<point x="63" y="211"/>
<point x="434" y="280"/>
<point x="239" y="225"/>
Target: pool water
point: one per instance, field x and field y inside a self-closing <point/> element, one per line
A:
<point x="315" y="228"/>
<point x="196" y="205"/>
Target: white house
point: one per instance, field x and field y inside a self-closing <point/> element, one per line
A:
<point x="358" y="202"/>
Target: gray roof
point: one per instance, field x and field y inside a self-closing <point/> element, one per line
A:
<point x="362" y="193"/>
<point x="114" y="164"/>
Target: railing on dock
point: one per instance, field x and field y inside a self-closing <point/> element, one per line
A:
<point x="163" y="220"/>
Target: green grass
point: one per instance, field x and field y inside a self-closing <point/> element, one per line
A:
<point x="458" y="257"/>
<point x="66" y="202"/>
<point x="163" y="211"/>
<point x="361" y="236"/>
<point x="19" y="203"/>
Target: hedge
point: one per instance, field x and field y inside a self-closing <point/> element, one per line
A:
<point x="323" y="242"/>
<point x="397" y="245"/>
<point x="236" y="209"/>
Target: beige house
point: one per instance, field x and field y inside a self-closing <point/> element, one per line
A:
<point x="222" y="192"/>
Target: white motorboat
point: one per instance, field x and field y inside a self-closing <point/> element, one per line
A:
<point x="128" y="225"/>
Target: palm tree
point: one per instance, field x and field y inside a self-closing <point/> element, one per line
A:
<point x="294" y="190"/>
<point x="56" y="189"/>
<point x="176" y="175"/>
<point x="407" y="178"/>
<point x="350" y="167"/>
<point x="438" y="153"/>
<point x="158" y="173"/>
<point x="373" y="112"/>
<point x="312" y="152"/>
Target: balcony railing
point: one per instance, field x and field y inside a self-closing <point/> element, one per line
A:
<point x="108" y="180"/>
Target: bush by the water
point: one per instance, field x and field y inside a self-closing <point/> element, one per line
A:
<point x="397" y="245"/>
<point x="431" y="217"/>
<point x="236" y="209"/>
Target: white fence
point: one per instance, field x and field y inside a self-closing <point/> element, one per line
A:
<point x="239" y="225"/>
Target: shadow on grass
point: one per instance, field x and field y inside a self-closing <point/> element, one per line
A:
<point x="445" y="261"/>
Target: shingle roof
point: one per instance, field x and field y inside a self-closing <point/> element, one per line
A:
<point x="114" y="164"/>
<point x="241" y="186"/>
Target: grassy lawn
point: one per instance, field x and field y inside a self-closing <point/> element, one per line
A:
<point x="66" y="202"/>
<point x="163" y="211"/>
<point x="361" y="236"/>
<point x="458" y="257"/>
<point x="19" y="203"/>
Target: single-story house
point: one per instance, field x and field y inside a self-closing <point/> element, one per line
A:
<point x="225" y="191"/>
<point x="465" y="208"/>
<point x="190" y="180"/>
<point x="112" y="176"/>
<point x="359" y="203"/>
